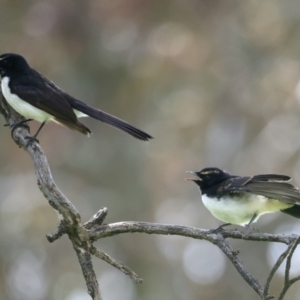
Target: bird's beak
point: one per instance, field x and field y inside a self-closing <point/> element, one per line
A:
<point x="193" y="179"/>
<point x="190" y="179"/>
<point x="191" y="172"/>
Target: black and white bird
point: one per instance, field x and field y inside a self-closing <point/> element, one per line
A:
<point x="241" y="200"/>
<point x="35" y="97"/>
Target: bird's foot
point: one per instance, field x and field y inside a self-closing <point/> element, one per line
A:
<point x="19" y="124"/>
<point x="31" y="139"/>
<point x="219" y="228"/>
<point x="250" y="229"/>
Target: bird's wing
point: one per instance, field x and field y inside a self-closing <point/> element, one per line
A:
<point x="264" y="185"/>
<point x="48" y="82"/>
<point x="44" y="97"/>
<point x="96" y="113"/>
<point x="271" y="177"/>
<point x="282" y="191"/>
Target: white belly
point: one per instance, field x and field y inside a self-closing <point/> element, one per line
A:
<point x="22" y="107"/>
<point x="241" y="211"/>
<point x="25" y="109"/>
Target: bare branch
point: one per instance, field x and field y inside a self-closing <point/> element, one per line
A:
<point x="71" y="221"/>
<point x="292" y="247"/>
<point x="102" y="255"/>
<point x="58" y="233"/>
<point x="278" y="263"/>
<point x="82" y="236"/>
<point x="218" y="239"/>
<point x="287" y="282"/>
<point x="97" y="219"/>
<point x="238" y="264"/>
<point x="112" y="229"/>
<point x="85" y="261"/>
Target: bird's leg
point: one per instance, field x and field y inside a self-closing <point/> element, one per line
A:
<point x="33" y="138"/>
<point x="248" y="226"/>
<point x="219" y="228"/>
<point x="21" y="123"/>
<point x="18" y="124"/>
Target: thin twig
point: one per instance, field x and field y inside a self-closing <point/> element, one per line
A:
<point x="96" y="219"/>
<point x="289" y="259"/>
<point x="278" y="263"/>
<point x="238" y="264"/>
<point x="292" y="281"/>
<point x="102" y="255"/>
<point x="287" y="282"/>
<point x="58" y="233"/>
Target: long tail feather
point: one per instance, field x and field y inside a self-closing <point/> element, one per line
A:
<point x="109" y="119"/>
<point x="293" y="211"/>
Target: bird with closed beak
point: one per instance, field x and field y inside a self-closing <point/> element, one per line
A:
<point x="37" y="98"/>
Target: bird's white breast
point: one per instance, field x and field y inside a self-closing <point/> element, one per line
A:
<point x="240" y="210"/>
<point x="22" y="107"/>
<point x="25" y="109"/>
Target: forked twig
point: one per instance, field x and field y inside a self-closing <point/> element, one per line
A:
<point x="287" y="282"/>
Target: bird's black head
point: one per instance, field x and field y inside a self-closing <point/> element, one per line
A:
<point x="12" y="63"/>
<point x="208" y="177"/>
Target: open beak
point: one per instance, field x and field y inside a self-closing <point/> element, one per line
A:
<point x="192" y="179"/>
